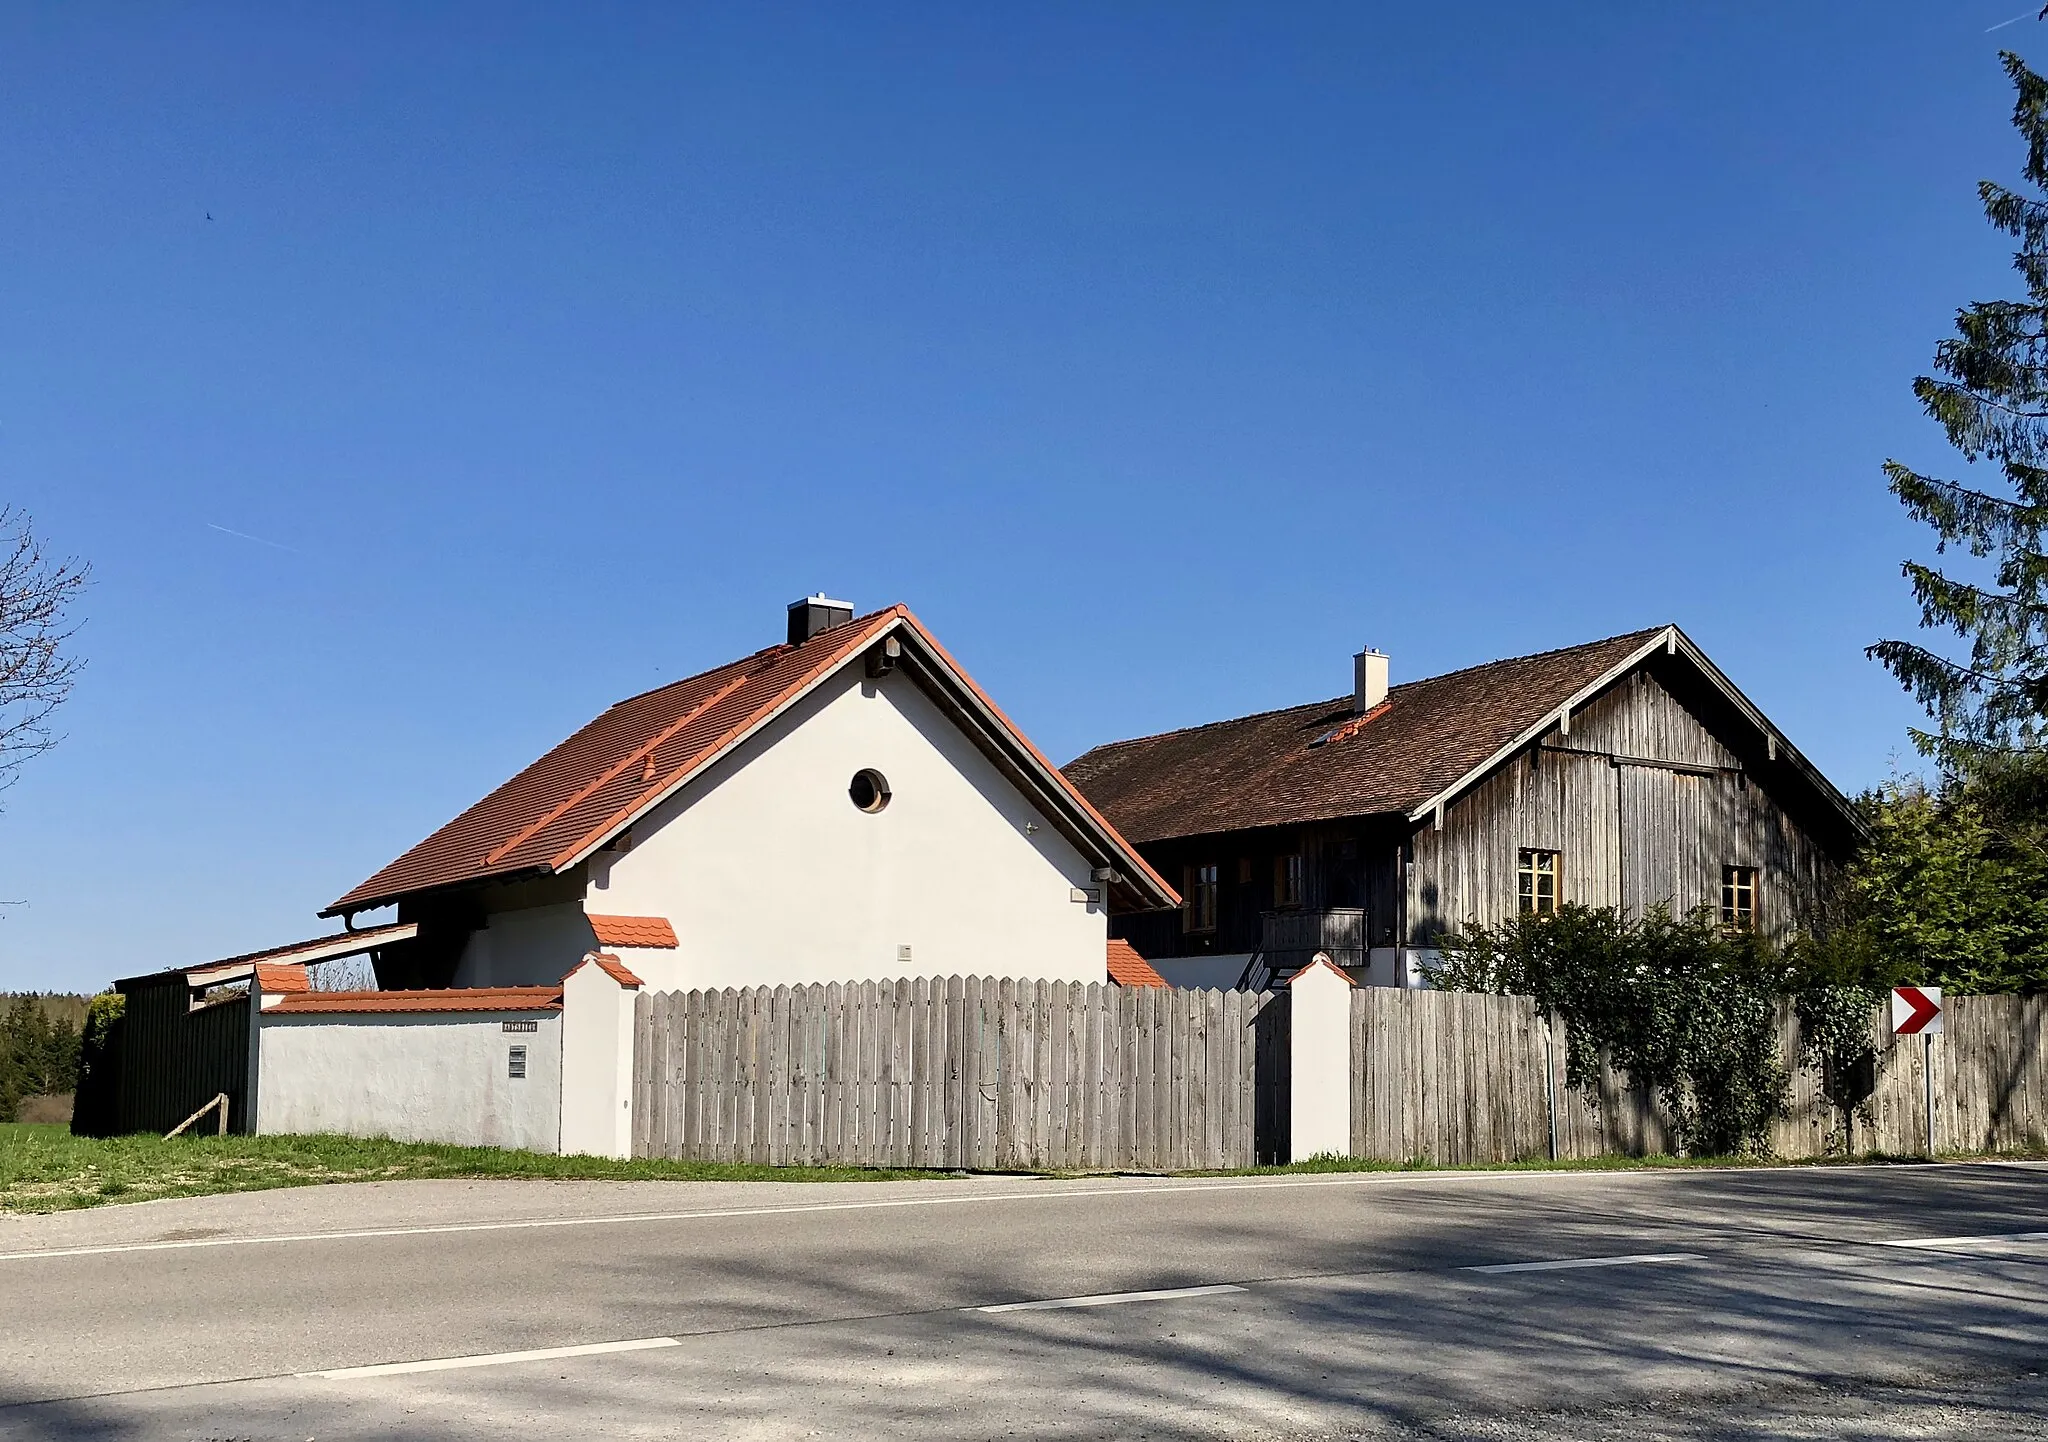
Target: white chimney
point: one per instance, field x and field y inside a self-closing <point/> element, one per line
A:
<point x="1368" y="680"/>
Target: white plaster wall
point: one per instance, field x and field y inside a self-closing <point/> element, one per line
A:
<point x="597" y="1065"/>
<point x="534" y="946"/>
<point x="1203" y="973"/>
<point x="411" y="1076"/>
<point x="771" y="875"/>
<point x="1400" y="966"/>
<point x="1319" y="1080"/>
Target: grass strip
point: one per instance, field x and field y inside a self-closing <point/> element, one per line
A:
<point x="46" y="1169"/>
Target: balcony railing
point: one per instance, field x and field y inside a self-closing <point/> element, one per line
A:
<point x="1289" y="940"/>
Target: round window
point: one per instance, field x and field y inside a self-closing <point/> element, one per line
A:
<point x="870" y="790"/>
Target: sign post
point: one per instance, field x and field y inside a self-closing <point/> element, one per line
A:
<point x="1916" y="1011"/>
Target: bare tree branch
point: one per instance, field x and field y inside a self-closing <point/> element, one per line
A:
<point x="36" y="667"/>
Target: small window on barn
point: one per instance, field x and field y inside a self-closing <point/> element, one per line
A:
<point x="1198" y="899"/>
<point x="515" y="1062"/>
<point x="1287" y="880"/>
<point x="1536" y="880"/>
<point x="1738" y="897"/>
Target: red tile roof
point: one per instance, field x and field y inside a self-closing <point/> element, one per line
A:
<point x="579" y="793"/>
<point x="633" y="930"/>
<point x="1127" y="968"/>
<point x="282" y="978"/>
<point x="611" y="966"/>
<point x="1320" y="762"/>
<point x="474" y="998"/>
<point x="320" y="948"/>
<point x="591" y="786"/>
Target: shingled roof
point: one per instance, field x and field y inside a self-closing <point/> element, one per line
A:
<point x="1319" y="762"/>
<point x="592" y="786"/>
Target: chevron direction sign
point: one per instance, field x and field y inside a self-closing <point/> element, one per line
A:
<point x="1916" y="1011"/>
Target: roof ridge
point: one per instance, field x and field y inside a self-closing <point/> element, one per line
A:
<point x="1644" y="633"/>
<point x="778" y="649"/>
<point x="1402" y="686"/>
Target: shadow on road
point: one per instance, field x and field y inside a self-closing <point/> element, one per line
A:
<point x="1358" y="1316"/>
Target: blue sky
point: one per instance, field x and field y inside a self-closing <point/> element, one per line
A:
<point x="1158" y="356"/>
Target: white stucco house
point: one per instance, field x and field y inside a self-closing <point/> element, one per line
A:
<point x="844" y="805"/>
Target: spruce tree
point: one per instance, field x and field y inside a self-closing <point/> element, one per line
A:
<point x="1990" y="394"/>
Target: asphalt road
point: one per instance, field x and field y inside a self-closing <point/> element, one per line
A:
<point x="1740" y="1303"/>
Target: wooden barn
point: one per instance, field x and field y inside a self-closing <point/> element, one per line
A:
<point x="1627" y="772"/>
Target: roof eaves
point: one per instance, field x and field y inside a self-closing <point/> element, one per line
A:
<point x="304" y="953"/>
<point x="1049" y="774"/>
<point x="1779" y="741"/>
<point x="349" y="905"/>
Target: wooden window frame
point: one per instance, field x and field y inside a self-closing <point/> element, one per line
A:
<point x="1530" y="873"/>
<point x="1204" y="885"/>
<point x="1740" y="888"/>
<point x="1290" y="881"/>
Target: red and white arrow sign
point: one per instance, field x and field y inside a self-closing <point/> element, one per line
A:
<point x="1916" y="1011"/>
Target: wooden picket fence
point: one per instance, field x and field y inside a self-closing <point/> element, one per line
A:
<point x="962" y="1072"/>
<point x="984" y="1074"/>
<point x="1453" y="1078"/>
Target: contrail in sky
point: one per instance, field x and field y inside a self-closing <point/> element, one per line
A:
<point x="244" y="535"/>
<point x="2003" y="23"/>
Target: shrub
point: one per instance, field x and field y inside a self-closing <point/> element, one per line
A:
<point x="1682" y="1007"/>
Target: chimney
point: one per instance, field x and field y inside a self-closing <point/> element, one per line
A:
<point x="814" y="614"/>
<point x="1368" y="680"/>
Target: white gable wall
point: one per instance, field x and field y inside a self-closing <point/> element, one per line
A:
<point x="770" y="874"/>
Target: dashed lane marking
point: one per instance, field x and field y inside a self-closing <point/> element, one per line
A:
<point x="493" y="1359"/>
<point x="1641" y="1259"/>
<point x="1968" y="1241"/>
<point x="1109" y="1299"/>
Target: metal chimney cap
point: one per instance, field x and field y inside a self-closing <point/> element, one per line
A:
<point x="814" y="614"/>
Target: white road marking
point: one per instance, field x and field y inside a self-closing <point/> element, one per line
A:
<point x="1361" y="1179"/>
<point x="1566" y="1266"/>
<point x="495" y="1359"/>
<point x="1108" y="1299"/>
<point x="1167" y="1187"/>
<point x="1968" y="1241"/>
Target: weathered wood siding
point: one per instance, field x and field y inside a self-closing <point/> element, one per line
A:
<point x="1629" y="834"/>
<point x="961" y="1072"/>
<point x="1449" y="1078"/>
